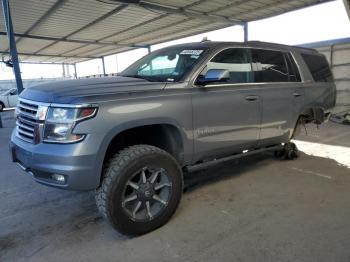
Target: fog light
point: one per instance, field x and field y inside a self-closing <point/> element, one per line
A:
<point x="58" y="178"/>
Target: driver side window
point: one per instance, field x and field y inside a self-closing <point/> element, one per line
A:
<point x="236" y="61"/>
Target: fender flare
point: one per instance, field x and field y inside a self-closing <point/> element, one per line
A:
<point x="134" y="124"/>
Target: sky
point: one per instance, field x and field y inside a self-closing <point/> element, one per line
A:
<point x="318" y="23"/>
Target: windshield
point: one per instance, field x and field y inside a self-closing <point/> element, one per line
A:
<point x="5" y="93"/>
<point x="167" y="65"/>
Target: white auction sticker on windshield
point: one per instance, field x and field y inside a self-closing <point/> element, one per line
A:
<point x="191" y="52"/>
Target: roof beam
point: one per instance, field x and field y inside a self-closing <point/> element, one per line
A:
<point x="198" y="2"/>
<point x="114" y="11"/>
<point x="158" y="29"/>
<point x="150" y="21"/>
<point x="46" y="63"/>
<point x="277" y="5"/>
<point x="281" y="3"/>
<point x="190" y="13"/>
<point x="42" y="19"/>
<point x="234" y="4"/>
<point x="53" y="9"/>
<point x="50" y="55"/>
<point x="71" y="40"/>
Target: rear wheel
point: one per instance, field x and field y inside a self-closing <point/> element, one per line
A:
<point x="141" y="189"/>
<point x="288" y="152"/>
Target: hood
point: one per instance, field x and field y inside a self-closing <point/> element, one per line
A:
<point x="70" y="91"/>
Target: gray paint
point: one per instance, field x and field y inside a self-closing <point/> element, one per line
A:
<point x="338" y="56"/>
<point x="214" y="121"/>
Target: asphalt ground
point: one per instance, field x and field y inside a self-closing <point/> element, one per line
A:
<point x="255" y="209"/>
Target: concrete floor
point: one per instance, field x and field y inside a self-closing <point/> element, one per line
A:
<point x="257" y="209"/>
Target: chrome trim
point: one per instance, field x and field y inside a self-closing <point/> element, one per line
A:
<point x="32" y="116"/>
<point x="33" y="102"/>
<point x="23" y="137"/>
<point x="248" y="84"/>
<point x="27" y="124"/>
<point x="21" y="166"/>
<point x="26" y="133"/>
<point x="291" y="52"/>
<point x="55" y="105"/>
<point x="26" y="107"/>
<point x="64" y="142"/>
<point x="24" y="126"/>
<point x="26" y="121"/>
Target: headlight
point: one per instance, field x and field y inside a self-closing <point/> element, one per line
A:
<point x="60" y="122"/>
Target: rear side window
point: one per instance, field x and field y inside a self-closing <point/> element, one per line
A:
<point x="318" y="67"/>
<point x="269" y="66"/>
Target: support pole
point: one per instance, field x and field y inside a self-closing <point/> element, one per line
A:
<point x="75" y="71"/>
<point x="103" y="65"/>
<point x="12" y="44"/>
<point x="347" y="7"/>
<point x="149" y="49"/>
<point x="246" y="32"/>
<point x="63" y="71"/>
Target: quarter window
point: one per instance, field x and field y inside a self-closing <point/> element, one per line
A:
<point x="234" y="60"/>
<point x="318" y="67"/>
<point x="269" y="66"/>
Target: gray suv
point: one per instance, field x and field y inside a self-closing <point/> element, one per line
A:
<point x="182" y="108"/>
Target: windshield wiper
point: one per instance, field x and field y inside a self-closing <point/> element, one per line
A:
<point x="148" y="78"/>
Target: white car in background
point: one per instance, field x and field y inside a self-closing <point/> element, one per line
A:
<point x="8" y="99"/>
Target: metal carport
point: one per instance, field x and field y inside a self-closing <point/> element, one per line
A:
<point x="72" y="31"/>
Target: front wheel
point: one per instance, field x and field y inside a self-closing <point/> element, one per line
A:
<point x="141" y="189"/>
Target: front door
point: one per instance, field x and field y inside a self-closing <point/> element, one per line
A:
<point x="226" y="116"/>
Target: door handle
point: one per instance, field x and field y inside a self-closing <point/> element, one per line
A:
<point x="251" y="98"/>
<point x="296" y="94"/>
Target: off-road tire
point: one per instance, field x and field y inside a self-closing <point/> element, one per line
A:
<point x="116" y="175"/>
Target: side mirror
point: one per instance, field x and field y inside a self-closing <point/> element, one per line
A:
<point x="214" y="76"/>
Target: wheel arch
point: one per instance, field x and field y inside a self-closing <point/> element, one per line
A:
<point x="313" y="114"/>
<point x="168" y="136"/>
<point x="3" y="104"/>
<point x="308" y="115"/>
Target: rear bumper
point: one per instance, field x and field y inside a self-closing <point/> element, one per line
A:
<point x="76" y="162"/>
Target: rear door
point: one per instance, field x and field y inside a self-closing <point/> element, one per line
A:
<point x="282" y="94"/>
<point x="226" y="116"/>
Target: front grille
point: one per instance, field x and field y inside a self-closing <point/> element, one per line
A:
<point x="28" y="122"/>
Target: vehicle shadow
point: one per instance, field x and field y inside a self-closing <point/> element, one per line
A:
<point x="227" y="170"/>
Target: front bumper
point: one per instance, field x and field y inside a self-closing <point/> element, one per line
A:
<point x="78" y="162"/>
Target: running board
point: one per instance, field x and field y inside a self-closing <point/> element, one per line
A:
<point x="228" y="158"/>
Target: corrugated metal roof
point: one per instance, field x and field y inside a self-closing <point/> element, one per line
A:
<point x="72" y="31"/>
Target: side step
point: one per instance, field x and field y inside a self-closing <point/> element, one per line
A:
<point x="228" y="158"/>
